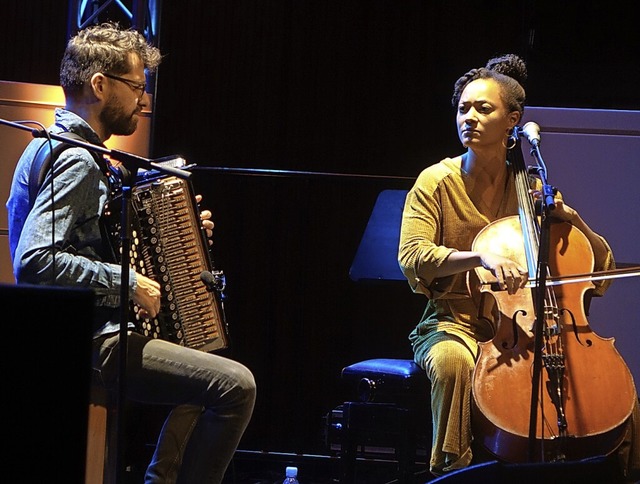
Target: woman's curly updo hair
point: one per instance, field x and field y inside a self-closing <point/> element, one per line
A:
<point x="104" y="48"/>
<point x="509" y="71"/>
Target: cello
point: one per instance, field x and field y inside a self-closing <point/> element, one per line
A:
<point x="545" y="388"/>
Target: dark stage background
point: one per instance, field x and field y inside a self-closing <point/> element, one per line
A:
<point x="344" y="99"/>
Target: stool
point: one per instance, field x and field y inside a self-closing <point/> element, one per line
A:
<point x="100" y="462"/>
<point x="389" y="405"/>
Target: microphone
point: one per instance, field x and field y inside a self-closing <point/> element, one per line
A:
<point x="208" y="279"/>
<point x="214" y="281"/>
<point x="532" y="132"/>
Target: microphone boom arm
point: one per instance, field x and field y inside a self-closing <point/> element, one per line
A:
<point x="129" y="160"/>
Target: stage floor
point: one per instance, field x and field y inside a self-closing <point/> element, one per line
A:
<point x="254" y="467"/>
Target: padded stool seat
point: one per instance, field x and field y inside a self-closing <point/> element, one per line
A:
<point x="388" y="404"/>
<point x="386" y="380"/>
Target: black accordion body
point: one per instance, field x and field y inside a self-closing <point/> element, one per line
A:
<point x="169" y="246"/>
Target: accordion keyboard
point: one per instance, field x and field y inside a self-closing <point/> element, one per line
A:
<point x="169" y="246"/>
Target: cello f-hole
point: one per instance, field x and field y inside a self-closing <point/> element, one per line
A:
<point x="574" y="327"/>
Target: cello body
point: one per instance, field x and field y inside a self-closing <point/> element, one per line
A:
<point x="586" y="391"/>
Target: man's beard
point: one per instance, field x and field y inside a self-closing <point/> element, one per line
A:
<point x="117" y="122"/>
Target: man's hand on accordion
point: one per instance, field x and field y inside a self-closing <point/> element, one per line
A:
<point x="147" y="296"/>
<point x="207" y="223"/>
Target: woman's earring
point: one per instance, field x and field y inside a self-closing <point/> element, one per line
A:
<point x="511" y="142"/>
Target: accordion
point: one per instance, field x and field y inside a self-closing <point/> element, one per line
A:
<point x="169" y="246"/>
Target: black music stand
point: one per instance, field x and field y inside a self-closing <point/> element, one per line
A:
<point x="377" y="254"/>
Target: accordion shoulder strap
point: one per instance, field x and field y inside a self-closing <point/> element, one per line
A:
<point x="46" y="155"/>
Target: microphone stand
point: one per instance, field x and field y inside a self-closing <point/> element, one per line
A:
<point x="548" y="204"/>
<point x="129" y="169"/>
<point x="130" y="164"/>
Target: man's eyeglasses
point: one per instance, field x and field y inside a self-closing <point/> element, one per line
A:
<point x="138" y="87"/>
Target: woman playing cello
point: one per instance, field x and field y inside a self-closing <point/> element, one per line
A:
<point x="450" y="203"/>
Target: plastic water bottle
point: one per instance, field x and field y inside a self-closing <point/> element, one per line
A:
<point x="291" y="474"/>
